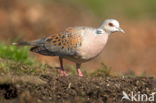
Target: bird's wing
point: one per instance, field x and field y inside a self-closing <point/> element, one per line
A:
<point x="62" y="44"/>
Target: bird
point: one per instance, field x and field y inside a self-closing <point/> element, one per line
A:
<point x="78" y="44"/>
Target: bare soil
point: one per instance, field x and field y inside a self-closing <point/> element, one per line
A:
<point x="76" y="89"/>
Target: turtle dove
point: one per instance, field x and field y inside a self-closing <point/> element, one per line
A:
<point x="77" y="44"/>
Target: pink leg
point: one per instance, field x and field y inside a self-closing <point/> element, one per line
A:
<point x="78" y="70"/>
<point x="61" y="69"/>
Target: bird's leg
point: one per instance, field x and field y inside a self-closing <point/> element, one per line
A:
<point x="61" y="69"/>
<point x="78" y="69"/>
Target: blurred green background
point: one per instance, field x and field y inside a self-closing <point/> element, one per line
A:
<point x="131" y="9"/>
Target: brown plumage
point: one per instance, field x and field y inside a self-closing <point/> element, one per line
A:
<point x="61" y="44"/>
<point x="68" y="39"/>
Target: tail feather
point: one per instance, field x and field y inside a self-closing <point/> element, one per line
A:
<point x="23" y="43"/>
<point x="31" y="43"/>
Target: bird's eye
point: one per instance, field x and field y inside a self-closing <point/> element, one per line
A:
<point x="110" y="24"/>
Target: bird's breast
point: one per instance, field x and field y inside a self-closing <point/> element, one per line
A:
<point x="91" y="47"/>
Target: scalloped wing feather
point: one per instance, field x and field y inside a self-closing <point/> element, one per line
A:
<point x="62" y="44"/>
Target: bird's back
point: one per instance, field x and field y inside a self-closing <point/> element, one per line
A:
<point x="61" y="44"/>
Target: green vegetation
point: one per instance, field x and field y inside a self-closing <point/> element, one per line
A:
<point x="7" y="66"/>
<point x="103" y="71"/>
<point x="17" y="60"/>
<point x="133" y="9"/>
<point x="18" y="68"/>
<point x="18" y="54"/>
<point x="130" y="73"/>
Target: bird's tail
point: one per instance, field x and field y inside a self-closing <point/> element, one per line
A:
<point x="38" y="42"/>
<point x="22" y="43"/>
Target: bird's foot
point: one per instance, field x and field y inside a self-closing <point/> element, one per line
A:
<point x="79" y="73"/>
<point x="62" y="72"/>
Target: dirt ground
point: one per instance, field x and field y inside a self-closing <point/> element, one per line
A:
<point x="76" y="89"/>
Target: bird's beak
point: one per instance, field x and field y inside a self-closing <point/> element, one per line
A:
<point x="121" y="30"/>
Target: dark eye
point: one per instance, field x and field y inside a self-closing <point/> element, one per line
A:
<point x="110" y="24"/>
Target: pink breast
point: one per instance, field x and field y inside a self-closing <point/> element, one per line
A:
<point x="92" y="46"/>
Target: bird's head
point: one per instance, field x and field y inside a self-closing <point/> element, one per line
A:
<point x="111" y="25"/>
